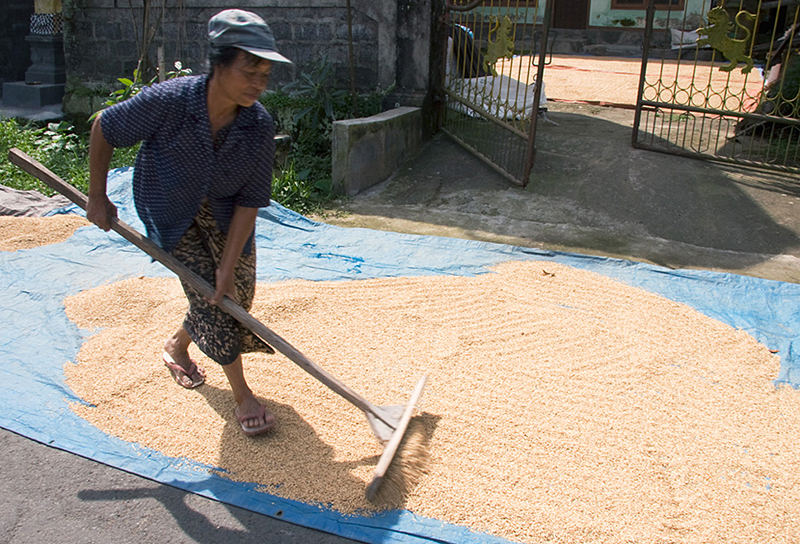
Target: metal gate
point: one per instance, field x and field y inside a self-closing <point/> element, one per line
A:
<point x="491" y="99"/>
<point x="725" y="89"/>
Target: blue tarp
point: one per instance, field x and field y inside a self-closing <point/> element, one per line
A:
<point x="36" y="338"/>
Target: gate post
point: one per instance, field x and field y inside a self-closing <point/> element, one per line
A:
<point x="530" y="155"/>
<point x="648" y="35"/>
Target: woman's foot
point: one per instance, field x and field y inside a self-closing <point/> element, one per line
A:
<point x="250" y="413"/>
<point x="186" y="375"/>
<point x="176" y="358"/>
<point x="253" y="417"/>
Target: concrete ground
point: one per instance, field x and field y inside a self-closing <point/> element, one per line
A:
<point x="48" y="495"/>
<point x="592" y="193"/>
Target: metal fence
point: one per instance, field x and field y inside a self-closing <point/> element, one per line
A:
<point x="726" y="89"/>
<point x="491" y="68"/>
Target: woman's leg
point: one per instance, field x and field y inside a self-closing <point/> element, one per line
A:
<point x="246" y="403"/>
<point x="176" y="350"/>
<point x="248" y="409"/>
<point x="218" y="335"/>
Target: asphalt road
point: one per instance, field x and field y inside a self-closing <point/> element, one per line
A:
<point x="49" y="495"/>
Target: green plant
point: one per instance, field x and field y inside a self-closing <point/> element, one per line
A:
<point x="59" y="139"/>
<point x="305" y="110"/>
<point x="56" y="145"/>
<point x="59" y="146"/>
<point x="129" y="89"/>
<point x="133" y="86"/>
<point x="298" y="192"/>
<point x="624" y="22"/>
<point x="12" y="134"/>
<point x="678" y="117"/>
<point x="316" y="92"/>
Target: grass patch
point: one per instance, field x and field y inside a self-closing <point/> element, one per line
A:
<point x="59" y="146"/>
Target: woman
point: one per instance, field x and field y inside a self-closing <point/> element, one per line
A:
<point x="202" y="172"/>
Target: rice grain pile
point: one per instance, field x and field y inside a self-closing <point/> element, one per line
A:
<point x="562" y="406"/>
<point x="28" y="232"/>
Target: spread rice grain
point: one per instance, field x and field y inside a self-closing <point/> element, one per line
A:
<point x="28" y="232"/>
<point x="563" y="406"/>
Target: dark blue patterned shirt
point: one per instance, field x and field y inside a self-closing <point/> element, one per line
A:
<point x="179" y="165"/>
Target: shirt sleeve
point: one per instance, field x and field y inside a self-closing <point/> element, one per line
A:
<point x="257" y="192"/>
<point x="137" y="118"/>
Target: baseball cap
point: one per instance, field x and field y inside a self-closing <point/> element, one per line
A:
<point x="244" y="30"/>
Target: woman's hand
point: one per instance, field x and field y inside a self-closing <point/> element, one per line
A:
<point x="101" y="211"/>
<point x="226" y="286"/>
<point x="242" y="224"/>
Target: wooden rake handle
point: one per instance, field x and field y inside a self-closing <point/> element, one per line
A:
<point x="39" y="171"/>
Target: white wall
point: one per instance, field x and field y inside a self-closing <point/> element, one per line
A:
<point x="691" y="17"/>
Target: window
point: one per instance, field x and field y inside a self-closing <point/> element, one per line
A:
<point x="642" y="4"/>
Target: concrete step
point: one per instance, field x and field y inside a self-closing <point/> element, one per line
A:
<point x="613" y="50"/>
<point x="603" y="42"/>
<point x="579" y="47"/>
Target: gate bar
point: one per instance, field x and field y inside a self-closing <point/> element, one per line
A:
<point x="755" y="165"/>
<point x="530" y="155"/>
<point x="482" y="157"/>
<point x="648" y="35"/>
<point x="489" y="117"/>
<point x="722" y="113"/>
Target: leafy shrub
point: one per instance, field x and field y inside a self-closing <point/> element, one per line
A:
<point x="59" y="146"/>
<point x="135" y="85"/>
<point x="55" y="145"/>
<point x="316" y="95"/>
<point x="297" y="191"/>
<point x="305" y="110"/>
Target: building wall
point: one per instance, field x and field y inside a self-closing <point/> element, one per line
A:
<point x="602" y="16"/>
<point x="102" y="37"/>
<point x="15" y="56"/>
<point x="691" y="17"/>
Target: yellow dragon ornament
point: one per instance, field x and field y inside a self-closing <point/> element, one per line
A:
<point x="501" y="47"/>
<point x="716" y="36"/>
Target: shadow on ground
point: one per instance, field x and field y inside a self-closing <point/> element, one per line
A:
<point x="49" y="495"/>
<point x="593" y="193"/>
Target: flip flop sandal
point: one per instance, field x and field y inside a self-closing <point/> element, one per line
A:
<point x="195" y="373"/>
<point x="269" y="421"/>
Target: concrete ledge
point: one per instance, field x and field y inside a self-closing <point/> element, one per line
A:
<point x="27" y="96"/>
<point x="367" y="151"/>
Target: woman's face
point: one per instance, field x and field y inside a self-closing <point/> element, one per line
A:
<point x="245" y="79"/>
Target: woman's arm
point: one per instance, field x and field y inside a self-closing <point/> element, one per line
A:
<point x="99" y="209"/>
<point x="242" y="224"/>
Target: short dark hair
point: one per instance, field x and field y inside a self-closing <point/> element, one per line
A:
<point x="221" y="56"/>
<point x="227" y="55"/>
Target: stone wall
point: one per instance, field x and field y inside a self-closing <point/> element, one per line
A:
<point x="102" y="39"/>
<point x="15" y="56"/>
<point x="367" y="151"/>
